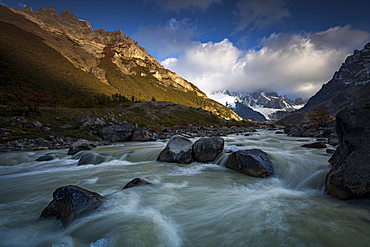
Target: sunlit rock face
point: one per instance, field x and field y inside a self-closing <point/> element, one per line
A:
<point x="349" y="86"/>
<point x="91" y="46"/>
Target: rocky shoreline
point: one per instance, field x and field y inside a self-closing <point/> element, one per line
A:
<point x="111" y="134"/>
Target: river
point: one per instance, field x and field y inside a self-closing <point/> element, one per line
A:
<point x="190" y="205"/>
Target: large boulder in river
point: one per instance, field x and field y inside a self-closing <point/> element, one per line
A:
<point x="349" y="176"/>
<point x="70" y="202"/>
<point x="178" y="150"/>
<point x="206" y="149"/>
<point x="117" y="133"/>
<point x="253" y="162"/>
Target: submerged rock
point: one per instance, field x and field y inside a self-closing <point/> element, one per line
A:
<point x="314" y="145"/>
<point x="206" y="149"/>
<point x="136" y="182"/>
<point x="179" y="150"/>
<point x="91" y="158"/>
<point x="46" y="157"/>
<point x="71" y="202"/>
<point x="349" y="176"/>
<point x="253" y="162"/>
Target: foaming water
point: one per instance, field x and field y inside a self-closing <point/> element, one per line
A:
<point x="190" y="205"/>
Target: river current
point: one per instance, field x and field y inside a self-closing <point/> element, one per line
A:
<point x="190" y="205"/>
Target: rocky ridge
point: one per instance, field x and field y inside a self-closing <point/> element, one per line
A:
<point x="88" y="47"/>
<point x="349" y="86"/>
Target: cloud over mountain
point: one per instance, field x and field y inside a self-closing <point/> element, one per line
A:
<point x="293" y="64"/>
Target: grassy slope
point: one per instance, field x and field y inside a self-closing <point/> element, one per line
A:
<point x="145" y="88"/>
<point x="31" y="69"/>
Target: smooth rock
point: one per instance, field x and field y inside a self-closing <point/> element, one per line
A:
<point x="71" y="202"/>
<point x="136" y="182"/>
<point x="46" y="157"/>
<point x="314" y="145"/>
<point x="253" y="162"/>
<point x="206" y="149"/>
<point x="178" y="150"/>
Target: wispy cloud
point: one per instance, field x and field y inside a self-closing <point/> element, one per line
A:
<point x="293" y="64"/>
<point x="176" y="5"/>
<point x="169" y="39"/>
<point x="260" y="13"/>
<point x="22" y="5"/>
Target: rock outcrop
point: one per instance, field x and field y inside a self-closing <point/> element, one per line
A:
<point x="349" y="176"/>
<point x="117" y="133"/>
<point x="349" y="86"/>
<point x="71" y="202"/>
<point x="253" y="162"/>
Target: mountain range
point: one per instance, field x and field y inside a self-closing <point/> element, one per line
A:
<point x="258" y="106"/>
<point x="50" y="59"/>
<point x="59" y="60"/>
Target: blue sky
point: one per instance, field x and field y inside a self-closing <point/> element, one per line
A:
<point x="288" y="46"/>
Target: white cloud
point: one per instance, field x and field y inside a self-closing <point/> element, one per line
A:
<point x="176" y="5"/>
<point x="169" y="39"/>
<point x="292" y="64"/>
<point x="22" y="5"/>
<point x="260" y="13"/>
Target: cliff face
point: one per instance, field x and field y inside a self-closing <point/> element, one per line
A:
<point x="349" y="86"/>
<point x="119" y="64"/>
<point x="88" y="47"/>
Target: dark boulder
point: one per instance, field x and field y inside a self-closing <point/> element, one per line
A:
<point x="91" y="158"/>
<point x="71" y="202"/>
<point x="80" y="145"/>
<point x="330" y="151"/>
<point x="206" y="149"/>
<point x="139" y="134"/>
<point x="136" y="182"/>
<point x="150" y="139"/>
<point x="349" y="176"/>
<point x="253" y="162"/>
<point x="178" y="149"/>
<point x="46" y="157"/>
<point x="117" y="133"/>
<point x="314" y="145"/>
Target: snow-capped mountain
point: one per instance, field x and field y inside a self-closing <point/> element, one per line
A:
<point x="262" y="106"/>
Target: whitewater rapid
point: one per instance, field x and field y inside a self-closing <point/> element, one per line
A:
<point x="189" y="205"/>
